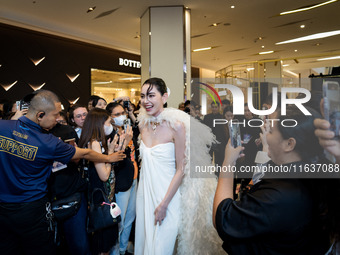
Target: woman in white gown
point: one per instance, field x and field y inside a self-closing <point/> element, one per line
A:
<point x="163" y="211"/>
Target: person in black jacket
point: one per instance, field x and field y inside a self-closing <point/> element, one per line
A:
<point x="219" y="131"/>
<point x="283" y="213"/>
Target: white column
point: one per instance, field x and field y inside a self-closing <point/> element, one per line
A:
<point x="165" y="48"/>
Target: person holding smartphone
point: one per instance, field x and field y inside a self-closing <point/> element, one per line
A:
<point x="126" y="175"/>
<point x="284" y="212"/>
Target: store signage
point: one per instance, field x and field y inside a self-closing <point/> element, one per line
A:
<point x="129" y="62"/>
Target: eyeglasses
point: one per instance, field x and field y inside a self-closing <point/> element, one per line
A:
<point x="78" y="116"/>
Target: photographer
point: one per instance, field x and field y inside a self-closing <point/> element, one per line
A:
<point x="26" y="157"/>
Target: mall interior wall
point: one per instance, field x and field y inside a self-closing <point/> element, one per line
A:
<point x="61" y="60"/>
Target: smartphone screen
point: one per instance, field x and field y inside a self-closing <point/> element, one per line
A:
<point x="127" y="123"/>
<point x="235" y="134"/>
<point x="331" y="96"/>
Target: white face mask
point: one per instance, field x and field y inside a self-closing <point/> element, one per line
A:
<point x="108" y="129"/>
<point x="119" y="121"/>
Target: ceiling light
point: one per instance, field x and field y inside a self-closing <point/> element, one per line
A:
<point x="201" y="49"/>
<point x="285" y="65"/>
<point x="266" y="52"/>
<point x="311" y="37"/>
<point x="292" y="73"/>
<point x="330" y="58"/>
<point x="295" y="50"/>
<point x="250" y="68"/>
<point x="308" y="8"/>
<point x="91" y="9"/>
<point x="262" y="46"/>
<point x="232" y="7"/>
<point x="129" y="78"/>
<point x="302" y="26"/>
<point x="214" y="25"/>
<point x="102" y="82"/>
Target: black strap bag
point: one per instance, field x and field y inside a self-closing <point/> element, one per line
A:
<point x="67" y="207"/>
<point x="99" y="215"/>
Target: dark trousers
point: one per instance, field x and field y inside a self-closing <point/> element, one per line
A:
<point x="24" y="229"/>
<point x="75" y="231"/>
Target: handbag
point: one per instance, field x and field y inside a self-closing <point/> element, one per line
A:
<point x="102" y="214"/>
<point x="67" y="207"/>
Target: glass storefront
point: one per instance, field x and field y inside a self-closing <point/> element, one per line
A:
<point x="110" y="85"/>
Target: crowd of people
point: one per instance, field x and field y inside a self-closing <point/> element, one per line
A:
<point x="162" y="208"/>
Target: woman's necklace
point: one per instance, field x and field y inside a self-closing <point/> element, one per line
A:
<point x="154" y="126"/>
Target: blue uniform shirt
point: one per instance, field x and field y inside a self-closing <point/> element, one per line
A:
<point x="26" y="158"/>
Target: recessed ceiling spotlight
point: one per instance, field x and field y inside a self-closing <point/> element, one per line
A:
<point x="330" y="58"/>
<point x="202" y="49"/>
<point x="215" y="24"/>
<point x="311" y="37"/>
<point x="295" y="50"/>
<point x="232" y="7"/>
<point x="302" y="26"/>
<point x="266" y="52"/>
<point x="262" y="46"/>
<point x="260" y="38"/>
<point x="308" y="8"/>
<point x="91" y="9"/>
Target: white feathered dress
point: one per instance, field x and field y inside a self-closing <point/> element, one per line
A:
<point x="196" y="234"/>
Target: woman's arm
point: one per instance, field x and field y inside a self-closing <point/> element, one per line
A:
<point x="103" y="169"/>
<point x="179" y="137"/>
<point x="225" y="183"/>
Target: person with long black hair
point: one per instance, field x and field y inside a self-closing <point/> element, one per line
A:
<point x="96" y="127"/>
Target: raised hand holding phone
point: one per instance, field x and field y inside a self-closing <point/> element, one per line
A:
<point x="331" y="106"/>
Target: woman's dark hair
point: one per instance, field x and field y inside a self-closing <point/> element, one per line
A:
<point x="93" y="128"/>
<point x="229" y="108"/>
<point x="325" y="192"/>
<point x="158" y="83"/>
<point x="71" y="113"/>
<point x="7" y="109"/>
<point x="95" y="101"/>
<point x="307" y="144"/>
<point x="111" y="106"/>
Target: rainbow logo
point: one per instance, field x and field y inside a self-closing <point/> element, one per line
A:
<point x="208" y="92"/>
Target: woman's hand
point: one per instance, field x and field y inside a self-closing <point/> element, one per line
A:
<point x="112" y="146"/>
<point x="19" y="113"/>
<point x="128" y="135"/>
<point x="326" y="138"/>
<point x="160" y="213"/>
<point x="232" y="154"/>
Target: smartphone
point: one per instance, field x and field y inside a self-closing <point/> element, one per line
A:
<point x="126" y="104"/>
<point x="127" y="123"/>
<point x="235" y="134"/>
<point x="21" y="105"/>
<point x="331" y="98"/>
